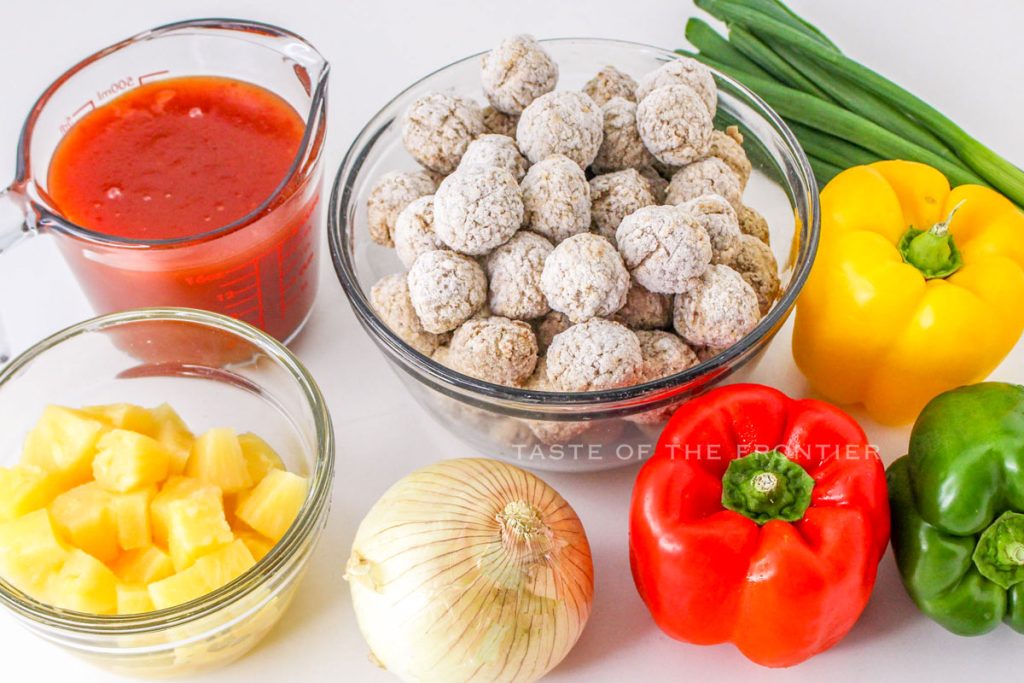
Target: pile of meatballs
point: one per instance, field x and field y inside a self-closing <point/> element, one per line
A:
<point x="572" y="241"/>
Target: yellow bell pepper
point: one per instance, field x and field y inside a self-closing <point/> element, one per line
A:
<point x="916" y="288"/>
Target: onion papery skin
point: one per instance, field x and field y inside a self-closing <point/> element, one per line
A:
<point x="471" y="570"/>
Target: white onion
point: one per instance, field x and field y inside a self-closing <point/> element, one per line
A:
<point x="471" y="570"/>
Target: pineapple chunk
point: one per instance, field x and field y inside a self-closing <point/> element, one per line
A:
<point x="63" y="443"/>
<point x="195" y="527"/>
<point x="257" y="544"/>
<point x="129" y="460"/>
<point x="271" y="507"/>
<point x="84" y="584"/>
<point x="217" y="459"/>
<point x="223" y="566"/>
<point x="84" y="516"/>
<point x="125" y="416"/>
<point x="259" y="456"/>
<point x="143" y="566"/>
<point x="31" y="552"/>
<point x="174" y="435"/>
<point x="133" y="599"/>
<point x="131" y="513"/>
<point x="179" y="488"/>
<point x="23" y="489"/>
<point x="178" y="589"/>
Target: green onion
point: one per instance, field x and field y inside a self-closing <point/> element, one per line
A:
<point x="807" y="109"/>
<point x="714" y="46"/>
<point x="823" y="170"/>
<point x="999" y="172"/>
<point x="755" y="49"/>
<point x="830" y="148"/>
<point x="865" y="103"/>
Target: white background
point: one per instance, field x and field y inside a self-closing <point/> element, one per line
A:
<point x="960" y="55"/>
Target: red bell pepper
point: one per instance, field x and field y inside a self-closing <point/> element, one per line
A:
<point x="759" y="520"/>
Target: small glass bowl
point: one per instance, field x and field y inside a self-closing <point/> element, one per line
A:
<point x="216" y="372"/>
<point x="571" y="431"/>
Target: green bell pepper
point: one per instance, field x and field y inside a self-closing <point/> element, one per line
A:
<point x="957" y="501"/>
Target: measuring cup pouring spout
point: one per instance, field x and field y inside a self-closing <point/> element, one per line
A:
<point x="260" y="268"/>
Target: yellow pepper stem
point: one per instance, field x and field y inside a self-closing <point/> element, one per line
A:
<point x="933" y="252"/>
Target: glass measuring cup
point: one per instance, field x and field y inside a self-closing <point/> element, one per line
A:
<point x="262" y="267"/>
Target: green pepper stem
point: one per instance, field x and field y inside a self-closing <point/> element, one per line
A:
<point x="933" y="251"/>
<point x="767" y="486"/>
<point x="999" y="555"/>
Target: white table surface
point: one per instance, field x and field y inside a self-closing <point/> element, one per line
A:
<point x="958" y="56"/>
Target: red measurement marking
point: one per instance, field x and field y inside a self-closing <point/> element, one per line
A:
<point x="88" y="106"/>
<point x="143" y="77"/>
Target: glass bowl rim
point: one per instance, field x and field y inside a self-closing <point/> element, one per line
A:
<point x="338" y="241"/>
<point x="268" y="567"/>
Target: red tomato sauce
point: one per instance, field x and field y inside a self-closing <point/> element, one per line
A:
<point x="177" y="159"/>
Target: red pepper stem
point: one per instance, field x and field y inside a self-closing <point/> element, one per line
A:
<point x="767" y="486"/>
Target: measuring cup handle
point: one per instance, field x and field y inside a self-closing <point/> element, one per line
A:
<point x="16" y="223"/>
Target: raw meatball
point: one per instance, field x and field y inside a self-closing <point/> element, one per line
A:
<point x="495" y="350"/>
<point x="516" y="73"/>
<point x="657" y="183"/>
<point x="706" y="353"/>
<point x="621" y="147"/>
<point x="446" y="289"/>
<point x="547" y="327"/>
<point x="500" y="123"/>
<point x="753" y="223"/>
<point x="594" y="356"/>
<point x="644" y="309"/>
<point x="584" y="277"/>
<point x="717" y="310"/>
<point x="719" y="220"/>
<point x="568" y="123"/>
<point x="442" y="354"/>
<point x="707" y="176"/>
<point x="551" y="431"/>
<point x="438" y="128"/>
<point x="514" y="271"/>
<point x="392" y="193"/>
<point x="664" y="248"/>
<point x="556" y="198"/>
<point x="498" y="151"/>
<point x="754" y="261"/>
<point x="675" y="125"/>
<point x="610" y="83"/>
<point x="664" y="354"/>
<point x="414" y="231"/>
<point x="682" y="71"/>
<point x="614" y="196"/>
<point x="477" y="209"/>
<point x="728" y="146"/>
<point x="390" y="299"/>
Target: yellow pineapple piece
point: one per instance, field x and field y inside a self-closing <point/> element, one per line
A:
<point x="258" y="544"/>
<point x="217" y="459"/>
<point x="143" y="565"/>
<point x="31" y="551"/>
<point x="133" y="599"/>
<point x="85" y="517"/>
<point x="131" y="513"/>
<point x="178" y="488"/>
<point x="84" y="584"/>
<point x="195" y="527"/>
<point x="23" y="489"/>
<point x="174" y="435"/>
<point x="63" y="443"/>
<point x="224" y="565"/>
<point x="259" y="456"/>
<point x="271" y="507"/>
<point x="125" y="416"/>
<point x="178" y="589"/>
<point x="128" y="460"/>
